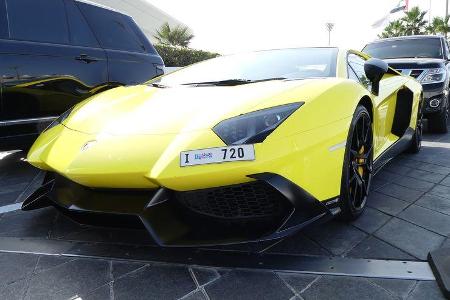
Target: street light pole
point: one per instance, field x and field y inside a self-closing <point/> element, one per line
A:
<point x="429" y="14"/>
<point x="446" y="15"/>
<point x="446" y="8"/>
<point x="329" y="28"/>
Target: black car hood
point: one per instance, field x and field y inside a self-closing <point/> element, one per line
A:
<point x="415" y="63"/>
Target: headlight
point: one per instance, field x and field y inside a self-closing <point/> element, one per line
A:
<point x="254" y="127"/>
<point x="434" y="76"/>
<point x="60" y="119"/>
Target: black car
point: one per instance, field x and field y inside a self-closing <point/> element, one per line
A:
<point x="56" y="53"/>
<point x="425" y="58"/>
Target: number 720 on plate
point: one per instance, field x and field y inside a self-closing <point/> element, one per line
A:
<point x="217" y="155"/>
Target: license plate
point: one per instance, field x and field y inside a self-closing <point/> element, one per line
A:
<point x="217" y="155"/>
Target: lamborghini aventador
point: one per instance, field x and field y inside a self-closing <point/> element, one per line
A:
<point x="238" y="148"/>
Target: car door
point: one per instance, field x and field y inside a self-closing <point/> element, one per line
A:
<point x="131" y="57"/>
<point x="384" y="109"/>
<point x="50" y="62"/>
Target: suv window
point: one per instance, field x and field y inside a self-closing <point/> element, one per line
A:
<point x="80" y="33"/>
<point x="3" y="21"/>
<point x="356" y="65"/>
<point x="446" y="51"/>
<point x="111" y="28"/>
<point x="142" y="38"/>
<point x="41" y="21"/>
<point x="407" y="48"/>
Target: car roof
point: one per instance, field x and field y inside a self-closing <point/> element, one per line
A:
<point x="98" y="5"/>
<point x="407" y="37"/>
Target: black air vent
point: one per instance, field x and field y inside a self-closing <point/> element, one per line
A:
<point x="241" y="201"/>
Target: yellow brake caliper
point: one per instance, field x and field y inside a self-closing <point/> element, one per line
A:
<point x="360" y="161"/>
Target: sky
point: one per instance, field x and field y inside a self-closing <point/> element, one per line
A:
<point x="233" y="26"/>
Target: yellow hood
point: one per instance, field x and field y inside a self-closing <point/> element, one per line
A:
<point x="149" y="110"/>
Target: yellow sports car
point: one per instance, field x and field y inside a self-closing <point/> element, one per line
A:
<point x="242" y="147"/>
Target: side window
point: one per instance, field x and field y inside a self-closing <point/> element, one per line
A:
<point x="80" y="33"/>
<point x="3" y="21"/>
<point x="142" y="38"/>
<point x="111" y="28"/>
<point x="40" y="21"/>
<point x="356" y="64"/>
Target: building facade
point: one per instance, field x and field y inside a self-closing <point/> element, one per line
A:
<point x="147" y="16"/>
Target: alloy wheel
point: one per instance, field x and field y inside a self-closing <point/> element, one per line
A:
<point x="360" y="162"/>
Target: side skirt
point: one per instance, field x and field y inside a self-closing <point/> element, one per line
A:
<point x="394" y="150"/>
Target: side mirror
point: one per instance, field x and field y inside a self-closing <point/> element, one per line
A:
<point x="375" y="69"/>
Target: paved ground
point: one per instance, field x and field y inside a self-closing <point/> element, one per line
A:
<point x="408" y="216"/>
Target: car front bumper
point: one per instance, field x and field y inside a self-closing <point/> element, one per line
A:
<point x="265" y="208"/>
<point x="432" y="93"/>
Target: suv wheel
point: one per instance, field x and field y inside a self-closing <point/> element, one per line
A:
<point x="416" y="143"/>
<point x="438" y="122"/>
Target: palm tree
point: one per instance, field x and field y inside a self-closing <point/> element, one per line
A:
<point x="414" y="21"/>
<point x="432" y="27"/>
<point x="439" y="25"/>
<point x="394" y="28"/>
<point x="178" y="36"/>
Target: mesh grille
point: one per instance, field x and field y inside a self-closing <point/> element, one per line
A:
<point x="248" y="200"/>
<point x="413" y="73"/>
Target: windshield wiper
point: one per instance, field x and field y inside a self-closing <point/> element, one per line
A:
<point x="225" y="82"/>
<point x="231" y="82"/>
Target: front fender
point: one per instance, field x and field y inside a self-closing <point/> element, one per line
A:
<point x="332" y="105"/>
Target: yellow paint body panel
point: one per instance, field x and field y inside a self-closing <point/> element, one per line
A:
<point x="135" y="134"/>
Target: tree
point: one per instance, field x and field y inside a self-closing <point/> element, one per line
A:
<point x="394" y="28"/>
<point x="182" y="56"/>
<point x="439" y="25"/>
<point x="178" y="36"/>
<point x="434" y="26"/>
<point x="414" y="22"/>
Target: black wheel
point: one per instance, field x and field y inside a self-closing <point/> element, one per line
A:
<point x="416" y="143"/>
<point x="358" y="166"/>
<point x="437" y="123"/>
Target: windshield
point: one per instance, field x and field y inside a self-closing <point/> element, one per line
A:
<point x="408" y="48"/>
<point x="257" y="66"/>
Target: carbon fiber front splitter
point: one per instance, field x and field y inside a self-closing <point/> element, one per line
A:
<point x="170" y="223"/>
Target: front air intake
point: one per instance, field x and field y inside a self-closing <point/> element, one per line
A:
<point x="241" y="201"/>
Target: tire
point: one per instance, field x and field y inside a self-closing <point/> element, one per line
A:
<point x="358" y="166"/>
<point x="416" y="143"/>
<point x="437" y="123"/>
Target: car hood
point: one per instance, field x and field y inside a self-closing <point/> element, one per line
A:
<point x="415" y="63"/>
<point x="150" y="110"/>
